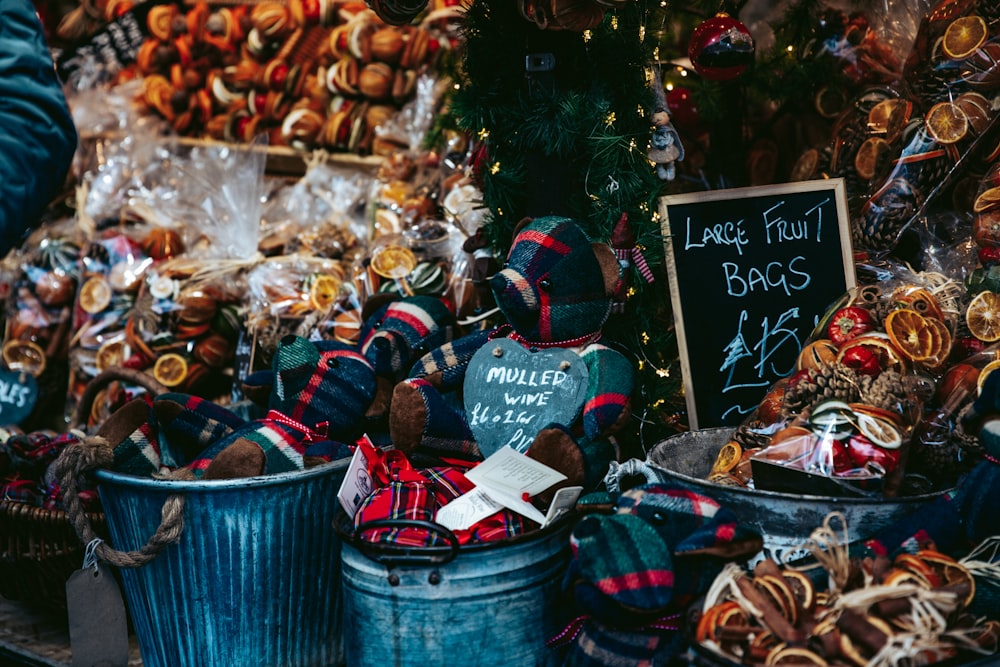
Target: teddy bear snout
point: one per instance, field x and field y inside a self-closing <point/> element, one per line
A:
<point x="513" y="292"/>
<point x="386" y="350"/>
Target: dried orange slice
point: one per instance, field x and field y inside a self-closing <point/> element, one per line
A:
<point x="983" y="316"/>
<point x="946" y="122"/>
<point x="910" y="334"/>
<point x="887" y="118"/>
<point x="323" y="292"/>
<point x="986" y="199"/>
<point x="24" y="356"/>
<point x="830" y="101"/>
<point x="802" y="588"/>
<point x="805" y="166"/>
<point x="984" y="373"/>
<point x="870" y="156"/>
<point x="393" y="261"/>
<point x="977" y="109"/>
<point x="942" y="342"/>
<point x="95" y="295"/>
<point x="111" y="354"/>
<point x="784" y="656"/>
<point x="170" y="369"/>
<point x="963" y="36"/>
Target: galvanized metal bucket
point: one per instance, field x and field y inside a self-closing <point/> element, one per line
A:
<point x="482" y="605"/>
<point x="784" y="520"/>
<point x="254" y="578"/>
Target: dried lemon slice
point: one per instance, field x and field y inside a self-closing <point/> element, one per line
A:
<point x="983" y="316"/>
<point x="728" y="458"/>
<point x="323" y="292"/>
<point x="24" y="356"/>
<point x="393" y="261"/>
<point x="984" y="373"/>
<point x="880" y="431"/>
<point x="170" y="369"/>
<point x="95" y="295"/>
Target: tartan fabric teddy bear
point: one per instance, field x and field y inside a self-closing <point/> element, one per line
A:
<point x="556" y="291"/>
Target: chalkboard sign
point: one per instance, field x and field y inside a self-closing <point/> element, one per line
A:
<point x="18" y="394"/>
<point x="752" y="270"/>
<point x="512" y="393"/>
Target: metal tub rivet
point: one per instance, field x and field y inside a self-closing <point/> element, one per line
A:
<point x="394" y="579"/>
<point x="434" y="578"/>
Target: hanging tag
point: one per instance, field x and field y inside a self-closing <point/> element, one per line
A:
<point x="98" y="634"/>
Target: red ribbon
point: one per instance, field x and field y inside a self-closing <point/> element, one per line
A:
<point x="570" y="632"/>
<point x="315" y="434"/>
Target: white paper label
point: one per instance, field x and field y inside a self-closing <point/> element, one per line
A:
<point x="466" y="510"/>
<point x="357" y="484"/>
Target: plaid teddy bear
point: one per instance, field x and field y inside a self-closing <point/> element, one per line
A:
<point x="556" y="291"/>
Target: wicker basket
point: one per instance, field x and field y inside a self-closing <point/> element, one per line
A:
<point x="39" y="549"/>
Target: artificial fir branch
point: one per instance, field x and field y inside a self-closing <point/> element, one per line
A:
<point x="593" y="117"/>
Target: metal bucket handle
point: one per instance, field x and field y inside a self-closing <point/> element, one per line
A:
<point x="392" y="555"/>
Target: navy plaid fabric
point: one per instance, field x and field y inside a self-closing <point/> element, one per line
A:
<point x="189" y="424"/>
<point x="574" y="300"/>
<point x="405" y="330"/>
<point x="326" y="382"/>
<point x="451" y="360"/>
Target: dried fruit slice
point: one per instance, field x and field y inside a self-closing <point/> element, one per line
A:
<point x="393" y="262"/>
<point x="887" y="118"/>
<point x="983" y="316"/>
<point x="977" y="108"/>
<point x="881" y="432"/>
<point x="802" y="588"/>
<point x="780" y="593"/>
<point x="170" y="369"/>
<point x="793" y="655"/>
<point x="871" y="155"/>
<point x="984" y="373"/>
<point x="805" y="166"/>
<point x="95" y="295"/>
<point x="728" y="457"/>
<point x="946" y="122"/>
<point x="830" y="101"/>
<point x="111" y="354"/>
<point x="986" y="200"/>
<point x="323" y="292"/>
<point x="24" y="355"/>
<point x="942" y="342"/>
<point x="950" y="571"/>
<point x="963" y="36"/>
<point x="909" y="333"/>
<point x="920" y="568"/>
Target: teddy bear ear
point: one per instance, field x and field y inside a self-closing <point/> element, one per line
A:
<point x="522" y="223"/>
<point x="376" y="301"/>
<point x="610" y="268"/>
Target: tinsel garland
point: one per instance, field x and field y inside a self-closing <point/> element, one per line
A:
<point x="592" y="118"/>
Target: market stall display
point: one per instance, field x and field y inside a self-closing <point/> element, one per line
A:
<point x="438" y="354"/>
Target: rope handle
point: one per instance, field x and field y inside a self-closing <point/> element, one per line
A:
<point x="91" y="453"/>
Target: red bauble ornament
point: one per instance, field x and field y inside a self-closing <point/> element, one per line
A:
<point x="721" y="48"/>
<point x="683" y="110"/>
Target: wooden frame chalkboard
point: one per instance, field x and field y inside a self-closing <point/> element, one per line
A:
<point x="752" y="271"/>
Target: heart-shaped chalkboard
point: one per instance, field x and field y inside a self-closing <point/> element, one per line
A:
<point x="512" y="393"/>
<point x="18" y="394"/>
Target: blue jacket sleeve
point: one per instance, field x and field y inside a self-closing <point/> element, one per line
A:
<point x="37" y="136"/>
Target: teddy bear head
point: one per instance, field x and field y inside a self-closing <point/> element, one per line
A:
<point x="556" y="285"/>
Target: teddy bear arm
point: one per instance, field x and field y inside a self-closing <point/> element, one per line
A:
<point x="611" y="380"/>
<point x="445" y="366"/>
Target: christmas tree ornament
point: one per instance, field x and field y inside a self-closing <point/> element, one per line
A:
<point x="397" y="12"/>
<point x="721" y="48"/>
<point x="683" y="110"/>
